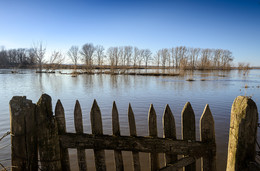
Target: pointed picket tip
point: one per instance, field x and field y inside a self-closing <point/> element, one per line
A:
<point x="151" y="111"/>
<point x="95" y="105"/>
<point x="59" y="110"/>
<point x="77" y="108"/>
<point x="207" y="128"/>
<point x="131" y="121"/>
<point x="207" y="113"/>
<point x="168" y="123"/>
<point x="115" y="120"/>
<point x="114" y="104"/>
<point x="60" y="117"/>
<point x="167" y="111"/>
<point x="78" y="122"/>
<point x="187" y="107"/>
<point x="188" y="126"/>
<point x="59" y="104"/>
<point x="152" y="122"/>
<point x="130" y="110"/>
<point x="77" y="103"/>
<point x="96" y="120"/>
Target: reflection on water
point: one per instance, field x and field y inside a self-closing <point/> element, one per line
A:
<point x="218" y="89"/>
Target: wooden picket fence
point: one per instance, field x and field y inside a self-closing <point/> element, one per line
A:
<point x="35" y="129"/>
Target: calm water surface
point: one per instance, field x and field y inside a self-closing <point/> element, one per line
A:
<point x="141" y="91"/>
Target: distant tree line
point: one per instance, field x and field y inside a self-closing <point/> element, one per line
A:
<point x="121" y="56"/>
<point x="20" y="57"/>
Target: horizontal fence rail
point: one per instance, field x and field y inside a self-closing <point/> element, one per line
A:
<point x="54" y="141"/>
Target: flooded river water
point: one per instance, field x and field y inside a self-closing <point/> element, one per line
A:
<point x="217" y="88"/>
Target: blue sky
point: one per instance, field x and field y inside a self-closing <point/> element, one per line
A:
<point x="59" y="24"/>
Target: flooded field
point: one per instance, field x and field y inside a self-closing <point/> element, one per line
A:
<point x="217" y="88"/>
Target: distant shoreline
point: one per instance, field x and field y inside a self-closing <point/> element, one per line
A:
<point x="108" y="67"/>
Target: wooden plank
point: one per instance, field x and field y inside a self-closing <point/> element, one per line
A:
<point x="188" y="129"/>
<point x="97" y="129"/>
<point x="23" y="131"/>
<point x="152" y="126"/>
<point x="242" y="134"/>
<point x="169" y="131"/>
<point x="116" y="132"/>
<point x="132" y="128"/>
<point x="60" y="118"/>
<point x="207" y="135"/>
<point x="78" y="122"/>
<point x="179" y="164"/>
<point x="48" y="137"/>
<point x="138" y="143"/>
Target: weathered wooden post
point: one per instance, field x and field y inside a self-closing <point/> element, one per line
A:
<point x="23" y="139"/>
<point x="48" y="138"/>
<point x="242" y="134"/>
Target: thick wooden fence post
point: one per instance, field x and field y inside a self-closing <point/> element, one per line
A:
<point x="169" y="131"/>
<point x="48" y="138"/>
<point x="23" y="139"/>
<point x="79" y="130"/>
<point x="152" y="124"/>
<point x="207" y="135"/>
<point x="188" y="129"/>
<point x="242" y="134"/>
<point x="97" y="129"/>
<point x="60" y="118"/>
<point x="132" y="128"/>
<point x="116" y="132"/>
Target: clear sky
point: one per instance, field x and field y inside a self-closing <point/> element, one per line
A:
<point x="154" y="24"/>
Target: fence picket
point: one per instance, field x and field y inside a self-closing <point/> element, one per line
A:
<point x="132" y="128"/>
<point x="152" y="124"/>
<point x="79" y="129"/>
<point x="97" y="129"/>
<point x="188" y="129"/>
<point x="169" y="131"/>
<point x="207" y="135"/>
<point x="48" y="138"/>
<point x="60" y="118"/>
<point x="116" y="132"/>
<point x="54" y="141"/>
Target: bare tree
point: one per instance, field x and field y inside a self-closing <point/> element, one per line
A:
<point x="141" y="57"/>
<point x="73" y="54"/>
<point x="87" y="52"/>
<point x="227" y="58"/>
<point x="194" y="54"/>
<point x="128" y="51"/>
<point x="56" y="60"/>
<point x="147" y="56"/>
<point x="157" y="58"/>
<point x="39" y="53"/>
<point x="135" y="56"/>
<point x="205" y="60"/>
<point x="164" y="56"/>
<point x="176" y="56"/>
<point x="113" y="56"/>
<point x="121" y="55"/>
<point x="100" y="54"/>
